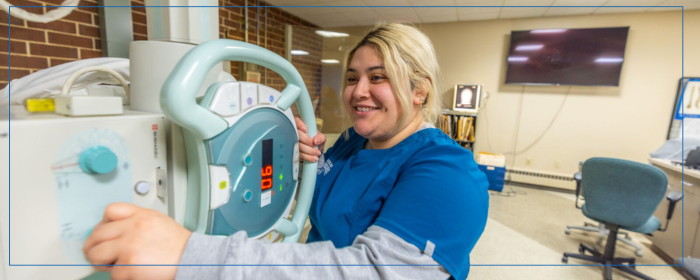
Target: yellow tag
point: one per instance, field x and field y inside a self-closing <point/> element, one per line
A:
<point x="269" y="236"/>
<point x="38" y="105"/>
<point x="222" y="185"/>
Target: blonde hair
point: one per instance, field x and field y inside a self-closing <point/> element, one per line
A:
<point x="410" y="63"/>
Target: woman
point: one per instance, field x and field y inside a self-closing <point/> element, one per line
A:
<point x="396" y="197"/>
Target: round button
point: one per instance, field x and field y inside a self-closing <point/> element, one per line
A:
<point x="142" y="187"/>
<point x="247" y="195"/>
<point x="247" y="160"/>
<point x="98" y="160"/>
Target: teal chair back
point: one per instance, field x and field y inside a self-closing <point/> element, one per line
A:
<point x="621" y="192"/>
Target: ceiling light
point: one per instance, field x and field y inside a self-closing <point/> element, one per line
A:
<point x="330" y="61"/>
<point x="299" y="52"/>
<point x="331" y="34"/>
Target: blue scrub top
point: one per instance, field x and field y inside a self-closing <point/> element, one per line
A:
<point x="426" y="189"/>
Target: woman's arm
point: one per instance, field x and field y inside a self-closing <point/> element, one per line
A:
<point x="376" y="254"/>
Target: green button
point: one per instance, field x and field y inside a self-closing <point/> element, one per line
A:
<point x="222" y="185"/>
<point x="280" y="176"/>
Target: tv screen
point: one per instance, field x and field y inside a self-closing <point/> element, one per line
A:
<point x="583" y="57"/>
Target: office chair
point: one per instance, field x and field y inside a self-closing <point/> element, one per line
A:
<point x="622" y="195"/>
<point x="600" y="228"/>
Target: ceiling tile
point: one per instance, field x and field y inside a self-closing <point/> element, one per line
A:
<point x="478" y="16"/>
<point x="477" y="10"/>
<point x="439" y="18"/>
<point x="366" y="15"/>
<point x="432" y="2"/>
<point x="528" y="2"/>
<point x="351" y="5"/>
<point x="338" y="24"/>
<point x="311" y="10"/>
<point x="568" y="11"/>
<point x="326" y="17"/>
<point x="396" y="12"/>
<point x="579" y="2"/>
<point x="521" y="12"/>
<point x="616" y="10"/>
<point x="687" y="4"/>
<point x="387" y="2"/>
<point x="633" y="2"/>
<point x="368" y="22"/>
<point x="478" y="2"/>
<point x="431" y="12"/>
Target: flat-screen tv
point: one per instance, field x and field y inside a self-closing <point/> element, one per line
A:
<point x="581" y="57"/>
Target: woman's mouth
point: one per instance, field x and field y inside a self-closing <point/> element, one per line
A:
<point x="365" y="109"/>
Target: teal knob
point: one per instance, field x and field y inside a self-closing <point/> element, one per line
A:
<point x="98" y="160"/>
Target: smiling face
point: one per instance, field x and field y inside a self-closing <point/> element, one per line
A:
<point x="368" y="96"/>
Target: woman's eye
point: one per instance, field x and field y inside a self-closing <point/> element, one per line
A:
<point x="377" y="78"/>
<point x="352" y="80"/>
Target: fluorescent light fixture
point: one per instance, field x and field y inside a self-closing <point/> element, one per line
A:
<point x="299" y="52"/>
<point x="548" y="31"/>
<point x="331" y="34"/>
<point x="528" y="47"/>
<point x="517" y="58"/>
<point x="330" y="61"/>
<point x="608" y="60"/>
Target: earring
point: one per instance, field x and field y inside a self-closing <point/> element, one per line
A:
<point x="422" y="100"/>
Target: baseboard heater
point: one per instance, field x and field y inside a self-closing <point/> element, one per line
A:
<point x="547" y="179"/>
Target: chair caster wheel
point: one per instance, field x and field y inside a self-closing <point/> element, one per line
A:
<point x="638" y="253"/>
<point x="581" y="250"/>
<point x="567" y="231"/>
<point x="565" y="259"/>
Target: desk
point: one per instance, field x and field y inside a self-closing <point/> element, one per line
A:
<point x="670" y="240"/>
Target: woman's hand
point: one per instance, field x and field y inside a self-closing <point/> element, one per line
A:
<point x="129" y="235"/>
<point x="306" y="146"/>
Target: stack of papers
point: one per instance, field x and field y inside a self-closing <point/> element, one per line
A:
<point x="497" y="160"/>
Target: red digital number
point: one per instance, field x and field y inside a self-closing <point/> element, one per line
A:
<point x="266" y="183"/>
<point x="267" y="170"/>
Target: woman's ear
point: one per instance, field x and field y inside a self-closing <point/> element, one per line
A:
<point x="420" y="93"/>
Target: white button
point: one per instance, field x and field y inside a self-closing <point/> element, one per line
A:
<point x="220" y="186"/>
<point x="226" y="100"/>
<point x="249" y="95"/>
<point x="267" y="95"/>
<point x="142" y="187"/>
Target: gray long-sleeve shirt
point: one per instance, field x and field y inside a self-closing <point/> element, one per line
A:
<point x="376" y="254"/>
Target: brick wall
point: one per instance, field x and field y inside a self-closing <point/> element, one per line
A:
<point x="38" y="46"/>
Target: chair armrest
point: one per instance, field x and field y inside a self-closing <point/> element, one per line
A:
<point x="577" y="177"/>
<point x="673" y="198"/>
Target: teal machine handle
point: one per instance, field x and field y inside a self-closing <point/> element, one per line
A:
<point x="178" y="102"/>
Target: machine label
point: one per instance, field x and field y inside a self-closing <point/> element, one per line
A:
<point x="155" y="144"/>
<point x="265" y="199"/>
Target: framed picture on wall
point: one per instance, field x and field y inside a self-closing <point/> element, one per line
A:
<point x="687" y="105"/>
<point x="466" y="98"/>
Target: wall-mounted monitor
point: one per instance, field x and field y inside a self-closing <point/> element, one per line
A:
<point x="581" y="57"/>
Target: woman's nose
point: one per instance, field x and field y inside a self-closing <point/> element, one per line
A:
<point x="361" y="89"/>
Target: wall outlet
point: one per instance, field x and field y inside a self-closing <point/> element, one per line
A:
<point x="557" y="163"/>
<point x="528" y="161"/>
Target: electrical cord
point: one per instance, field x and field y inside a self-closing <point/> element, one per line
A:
<point x="45" y="18"/>
<point x="71" y="79"/>
<point x="515" y="153"/>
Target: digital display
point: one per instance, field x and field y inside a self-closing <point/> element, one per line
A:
<point x="266" y="181"/>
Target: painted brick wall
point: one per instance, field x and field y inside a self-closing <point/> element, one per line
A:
<point x="38" y="46"/>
